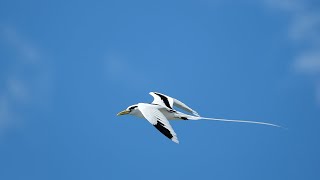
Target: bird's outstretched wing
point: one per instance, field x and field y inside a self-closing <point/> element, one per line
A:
<point x="169" y="102"/>
<point x="158" y="120"/>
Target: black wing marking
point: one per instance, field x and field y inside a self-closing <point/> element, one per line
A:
<point x="160" y="126"/>
<point x="170" y="102"/>
<point x="158" y="120"/>
<point x="164" y="99"/>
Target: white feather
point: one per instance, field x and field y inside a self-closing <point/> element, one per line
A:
<point x="172" y="102"/>
<point x="153" y="115"/>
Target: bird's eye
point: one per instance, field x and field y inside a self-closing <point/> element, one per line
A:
<point x="132" y="107"/>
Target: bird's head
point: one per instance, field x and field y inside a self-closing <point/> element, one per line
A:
<point x="130" y="110"/>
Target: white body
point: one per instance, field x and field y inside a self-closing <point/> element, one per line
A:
<point x="164" y="110"/>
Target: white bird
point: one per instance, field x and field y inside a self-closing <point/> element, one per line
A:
<point x="161" y="110"/>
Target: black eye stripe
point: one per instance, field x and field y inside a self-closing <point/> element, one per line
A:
<point x="132" y="107"/>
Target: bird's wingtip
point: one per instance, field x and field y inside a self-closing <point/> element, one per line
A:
<point x="175" y="140"/>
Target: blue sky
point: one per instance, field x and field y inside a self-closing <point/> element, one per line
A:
<point x="67" y="69"/>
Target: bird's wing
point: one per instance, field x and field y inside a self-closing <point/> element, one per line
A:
<point x="169" y="102"/>
<point x="162" y="100"/>
<point x="158" y="120"/>
<point x="183" y="106"/>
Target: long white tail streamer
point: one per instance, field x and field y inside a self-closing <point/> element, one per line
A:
<point x="231" y="120"/>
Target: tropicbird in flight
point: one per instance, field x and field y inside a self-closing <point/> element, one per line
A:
<point x="161" y="110"/>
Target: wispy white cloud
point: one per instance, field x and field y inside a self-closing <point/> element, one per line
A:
<point x="305" y="27"/>
<point x="124" y="71"/>
<point x="116" y="67"/>
<point x="17" y="89"/>
<point x="305" y="31"/>
<point x="28" y="80"/>
<point x="287" y="5"/>
<point x="27" y="51"/>
<point x="308" y="62"/>
<point x="4" y="113"/>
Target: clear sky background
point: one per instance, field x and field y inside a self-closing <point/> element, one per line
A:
<point x="68" y="67"/>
